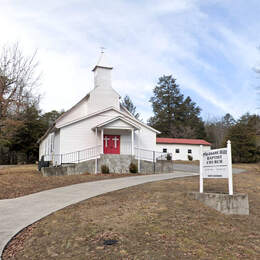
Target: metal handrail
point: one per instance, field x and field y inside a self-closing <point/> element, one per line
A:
<point x="95" y="151"/>
<point x="74" y="157"/>
<point x="150" y="155"/>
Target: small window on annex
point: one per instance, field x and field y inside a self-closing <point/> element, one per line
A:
<point x="177" y="150"/>
<point x="164" y="150"/>
<point x="189" y="151"/>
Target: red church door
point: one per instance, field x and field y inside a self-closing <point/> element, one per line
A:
<point x="111" y="144"/>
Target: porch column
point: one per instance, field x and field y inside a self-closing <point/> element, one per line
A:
<point x="96" y="137"/>
<point x="102" y="141"/>
<point x="96" y="162"/>
<point x="139" y="151"/>
<point x="133" y="151"/>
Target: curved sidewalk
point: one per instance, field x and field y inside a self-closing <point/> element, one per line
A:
<point x="18" y="213"/>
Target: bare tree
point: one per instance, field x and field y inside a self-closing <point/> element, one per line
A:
<point x="18" y="80"/>
<point x="217" y="129"/>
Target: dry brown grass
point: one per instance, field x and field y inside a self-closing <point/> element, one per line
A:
<point x="22" y="180"/>
<point x="150" y="221"/>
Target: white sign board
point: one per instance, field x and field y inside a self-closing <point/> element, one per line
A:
<point x="215" y="163"/>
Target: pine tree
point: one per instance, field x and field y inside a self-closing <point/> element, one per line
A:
<point x="243" y="136"/>
<point x="128" y="104"/>
<point x="175" y="116"/>
<point x="33" y="126"/>
<point x="24" y="140"/>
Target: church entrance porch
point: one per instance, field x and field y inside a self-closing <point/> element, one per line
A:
<point x="117" y="136"/>
<point x="117" y="141"/>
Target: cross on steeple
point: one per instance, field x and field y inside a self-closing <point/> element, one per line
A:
<point x="102" y="61"/>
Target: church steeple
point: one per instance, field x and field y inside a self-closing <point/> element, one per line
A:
<point x="103" y="61"/>
<point x="103" y="95"/>
<point x="102" y="72"/>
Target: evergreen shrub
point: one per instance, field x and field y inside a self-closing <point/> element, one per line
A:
<point x="169" y="157"/>
<point x="133" y="168"/>
<point x="104" y="169"/>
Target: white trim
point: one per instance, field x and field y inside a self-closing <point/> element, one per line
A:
<point x="139" y="163"/>
<point x="96" y="162"/>
<point x="117" y="128"/>
<point x="201" y="169"/>
<point x="72" y="108"/>
<point x="115" y="119"/>
<point x="230" y="178"/>
<point x="132" y="143"/>
<point x="102" y="141"/>
<point x="131" y="115"/>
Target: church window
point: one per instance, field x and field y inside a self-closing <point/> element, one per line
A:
<point x="177" y="150"/>
<point x="164" y="150"/>
<point x="189" y="151"/>
<point x="52" y="143"/>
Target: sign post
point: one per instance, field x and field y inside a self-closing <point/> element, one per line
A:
<point x="216" y="163"/>
<point x="230" y="177"/>
<point x="201" y="169"/>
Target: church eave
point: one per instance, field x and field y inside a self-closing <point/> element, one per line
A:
<point x="103" y="67"/>
<point x="115" y="119"/>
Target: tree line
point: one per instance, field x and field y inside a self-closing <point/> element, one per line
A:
<point x="178" y="117"/>
<point x="22" y="122"/>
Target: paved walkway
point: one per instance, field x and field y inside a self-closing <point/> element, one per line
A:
<point x="16" y="214"/>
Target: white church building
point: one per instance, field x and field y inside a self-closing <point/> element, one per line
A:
<point x="100" y="130"/>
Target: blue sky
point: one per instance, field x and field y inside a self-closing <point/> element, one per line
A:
<point x="210" y="47"/>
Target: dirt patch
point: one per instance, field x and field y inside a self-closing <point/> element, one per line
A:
<point x="22" y="180"/>
<point x="150" y="221"/>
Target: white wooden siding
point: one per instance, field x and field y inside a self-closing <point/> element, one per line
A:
<point x="78" y="111"/>
<point x="118" y="124"/>
<point x="101" y="98"/>
<point x="79" y="136"/>
<point x="147" y="138"/>
<point x="57" y="142"/>
<point x="102" y="78"/>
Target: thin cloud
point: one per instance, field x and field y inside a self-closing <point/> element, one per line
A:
<point x="189" y="39"/>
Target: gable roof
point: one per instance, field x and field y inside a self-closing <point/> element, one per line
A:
<point x="73" y="107"/>
<point x="126" y="110"/>
<point x="131" y="118"/>
<point x="160" y="140"/>
<point x="115" y="119"/>
<point x="77" y="104"/>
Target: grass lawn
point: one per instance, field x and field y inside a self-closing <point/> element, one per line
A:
<point x="16" y="181"/>
<point x="149" y="221"/>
